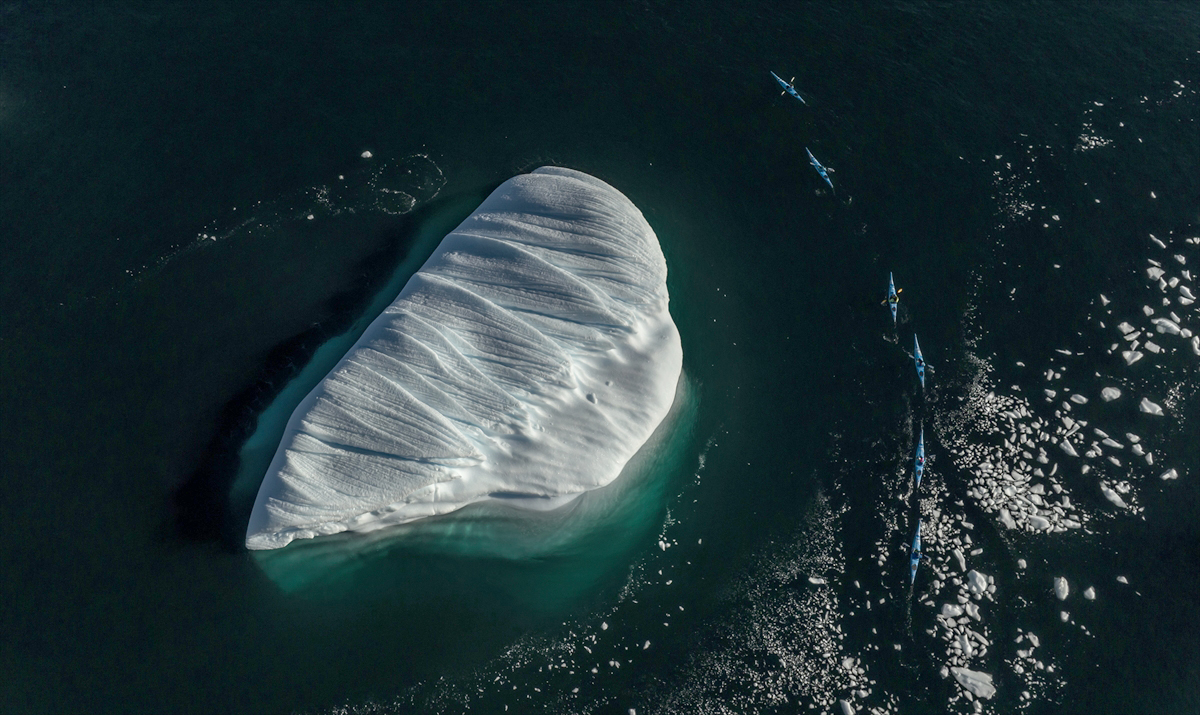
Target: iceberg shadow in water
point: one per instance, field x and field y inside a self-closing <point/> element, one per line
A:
<point x="212" y="503"/>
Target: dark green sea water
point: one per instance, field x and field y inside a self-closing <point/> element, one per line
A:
<point x="164" y="288"/>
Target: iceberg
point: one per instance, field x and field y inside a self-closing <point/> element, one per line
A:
<point x="525" y="363"/>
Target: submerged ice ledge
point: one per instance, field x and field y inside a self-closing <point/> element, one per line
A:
<point x="529" y="358"/>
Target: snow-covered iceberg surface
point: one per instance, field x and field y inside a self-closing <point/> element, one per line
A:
<point x="526" y="361"/>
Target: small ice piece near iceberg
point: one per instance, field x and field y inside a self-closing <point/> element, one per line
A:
<point x="473" y="384"/>
<point x="1110" y="393"/>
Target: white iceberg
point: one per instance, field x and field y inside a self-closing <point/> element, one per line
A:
<point x="1061" y="588"/>
<point x="980" y="684"/>
<point x="526" y="362"/>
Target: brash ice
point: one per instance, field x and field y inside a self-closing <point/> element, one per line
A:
<point x="527" y="360"/>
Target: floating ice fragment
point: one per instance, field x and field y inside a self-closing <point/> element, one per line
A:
<point x="604" y="625"/>
<point x="1064" y="616"/>
<point x="1164" y="325"/>
<point x="976" y="582"/>
<point x="646" y="645"/>
<point x="978" y="684"/>
<point x="366" y="155"/>
<point x="1021" y="564"/>
<point x="1182" y="259"/>
<point x="816" y="580"/>
<point x="1149" y="407"/>
<point x="951" y="610"/>
<point x="1122" y="579"/>
<point x="1131" y="356"/>
<point x="845" y="706"/>
<point x="1112" y="496"/>
<point x="1110" y="393"/>
<point x="1154" y="272"/>
<point x="1079" y="399"/>
<point x="1169" y="474"/>
<point x="1090" y="593"/>
<point x="1039" y="522"/>
<point x="1061" y="588"/>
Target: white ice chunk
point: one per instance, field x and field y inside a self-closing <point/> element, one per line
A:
<point x="1110" y="393"/>
<point x="978" y="684"/>
<point x="1125" y="328"/>
<point x="1169" y="474"/>
<point x="1154" y="272"/>
<point x="976" y="582"/>
<point x="845" y="707"/>
<point x="1131" y="356"/>
<point x="1149" y="407"/>
<point x="1061" y="588"/>
<point x="1164" y="325"/>
<point x="1079" y="399"/>
<point x="1112" y="496"/>
<point x="473" y="384"/>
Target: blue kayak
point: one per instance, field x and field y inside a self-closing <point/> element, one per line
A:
<point x="820" y="169"/>
<point x="914" y="559"/>
<point x="788" y="87"/>
<point x="920" y="361"/>
<point x="920" y="461"/>
<point x="893" y="298"/>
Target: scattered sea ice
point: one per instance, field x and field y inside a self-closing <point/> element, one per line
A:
<point x="1110" y="393"/>
<point x="1061" y="588"/>
<point x="1149" y="407"/>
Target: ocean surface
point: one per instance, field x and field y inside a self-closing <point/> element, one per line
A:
<point x="202" y="204"/>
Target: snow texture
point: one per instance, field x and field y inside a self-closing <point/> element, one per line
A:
<point x="526" y="362"/>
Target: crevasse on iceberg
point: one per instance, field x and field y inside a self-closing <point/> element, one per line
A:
<point x="528" y="360"/>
